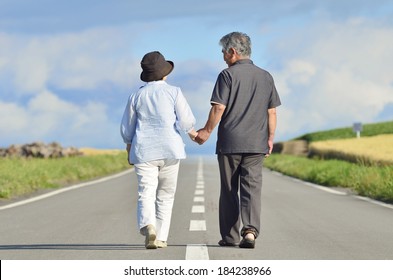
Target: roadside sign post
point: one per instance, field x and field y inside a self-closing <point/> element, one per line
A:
<point x="357" y="128"/>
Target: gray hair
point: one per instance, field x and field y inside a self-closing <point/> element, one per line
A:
<point x="241" y="42"/>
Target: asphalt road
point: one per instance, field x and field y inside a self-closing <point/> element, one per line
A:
<point x="98" y="221"/>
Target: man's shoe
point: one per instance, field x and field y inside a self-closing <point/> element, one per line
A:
<point x="223" y="243"/>
<point x="248" y="242"/>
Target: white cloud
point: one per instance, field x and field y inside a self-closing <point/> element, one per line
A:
<point x="90" y="61"/>
<point x="338" y="73"/>
<point x="30" y="65"/>
<point x="296" y="72"/>
<point x="67" y="61"/>
<point x="48" y="118"/>
<point x="13" y="119"/>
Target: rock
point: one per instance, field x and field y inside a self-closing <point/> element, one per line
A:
<point x="39" y="150"/>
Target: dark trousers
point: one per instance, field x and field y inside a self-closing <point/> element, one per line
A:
<point x="240" y="172"/>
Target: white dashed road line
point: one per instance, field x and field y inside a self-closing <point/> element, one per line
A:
<point x="198" y="251"/>
<point x="197" y="225"/>
<point x="198" y="209"/>
<point x="199" y="199"/>
<point x="199" y="192"/>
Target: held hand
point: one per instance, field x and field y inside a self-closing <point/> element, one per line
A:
<point x="193" y="134"/>
<point x="202" y="136"/>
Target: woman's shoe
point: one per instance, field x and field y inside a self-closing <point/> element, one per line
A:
<point x="161" y="244"/>
<point x="150" y="232"/>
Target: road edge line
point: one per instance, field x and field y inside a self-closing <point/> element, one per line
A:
<point x="327" y="189"/>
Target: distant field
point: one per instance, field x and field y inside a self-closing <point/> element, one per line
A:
<point x="347" y="132"/>
<point x="368" y="150"/>
<point x="92" y="151"/>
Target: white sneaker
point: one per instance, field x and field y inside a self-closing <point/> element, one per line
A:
<point x="150" y="232"/>
<point x="161" y="244"/>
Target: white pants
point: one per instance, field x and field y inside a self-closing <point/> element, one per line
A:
<point x="157" y="181"/>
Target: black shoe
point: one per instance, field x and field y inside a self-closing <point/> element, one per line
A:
<point x="247" y="243"/>
<point x="223" y="243"/>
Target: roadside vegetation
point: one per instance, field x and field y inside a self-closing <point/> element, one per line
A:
<point x="364" y="165"/>
<point x="21" y="176"/>
<point x="371" y="181"/>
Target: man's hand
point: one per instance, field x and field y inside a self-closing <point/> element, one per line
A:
<point x="272" y="115"/>
<point x="270" y="144"/>
<point x="202" y="136"/>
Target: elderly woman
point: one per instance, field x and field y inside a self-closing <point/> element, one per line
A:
<point x="151" y="125"/>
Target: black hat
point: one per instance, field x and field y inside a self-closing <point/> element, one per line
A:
<point x="155" y="67"/>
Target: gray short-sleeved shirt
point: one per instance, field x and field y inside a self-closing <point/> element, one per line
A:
<point x="248" y="92"/>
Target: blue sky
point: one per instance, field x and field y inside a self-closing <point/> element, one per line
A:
<point x="67" y="67"/>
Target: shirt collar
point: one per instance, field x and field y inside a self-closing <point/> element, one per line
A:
<point x="244" y="61"/>
<point x="156" y="82"/>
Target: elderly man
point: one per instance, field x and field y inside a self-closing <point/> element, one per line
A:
<point x="244" y="102"/>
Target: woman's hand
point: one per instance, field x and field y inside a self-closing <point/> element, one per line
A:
<point x="193" y="134"/>
<point x="128" y="149"/>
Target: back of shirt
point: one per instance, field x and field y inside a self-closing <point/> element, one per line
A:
<point x="152" y="121"/>
<point x="248" y="92"/>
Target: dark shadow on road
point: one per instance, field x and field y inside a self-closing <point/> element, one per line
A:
<point x="90" y="247"/>
<point x="73" y="247"/>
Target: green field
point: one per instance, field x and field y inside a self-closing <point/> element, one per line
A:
<point x="363" y="177"/>
<point x="21" y="176"/>
<point x="371" y="181"/>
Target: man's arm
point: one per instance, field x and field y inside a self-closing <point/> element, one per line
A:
<point x="272" y="127"/>
<point x="214" y="118"/>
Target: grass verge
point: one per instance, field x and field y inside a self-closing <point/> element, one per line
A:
<point x="371" y="181"/>
<point x="20" y="176"/>
<point x="347" y="132"/>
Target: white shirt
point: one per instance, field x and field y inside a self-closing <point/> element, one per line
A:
<point x="152" y="120"/>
